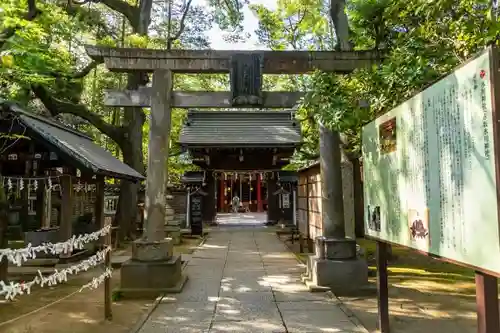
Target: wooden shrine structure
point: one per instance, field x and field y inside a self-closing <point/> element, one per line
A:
<point x="244" y="151"/>
<point x="53" y="177"/>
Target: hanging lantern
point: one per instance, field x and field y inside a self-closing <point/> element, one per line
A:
<point x="21" y="184"/>
<point x="9" y="184"/>
<point x="225" y="176"/>
<point x="35" y="185"/>
<point x="49" y="183"/>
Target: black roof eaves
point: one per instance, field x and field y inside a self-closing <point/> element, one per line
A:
<point x="111" y="174"/>
<point x="16" y="109"/>
<point x="71" y="160"/>
<point x="77" y="161"/>
<point x="241" y="145"/>
<point x="74" y="160"/>
<point x="288" y="111"/>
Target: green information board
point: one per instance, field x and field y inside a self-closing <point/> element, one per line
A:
<point x="429" y="170"/>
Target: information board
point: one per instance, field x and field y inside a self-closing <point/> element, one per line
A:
<point x="429" y="170"/>
<point x="195" y="214"/>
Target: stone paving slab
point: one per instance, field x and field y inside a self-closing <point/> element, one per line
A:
<point x="246" y="280"/>
<point x="303" y="321"/>
<point x="232" y="310"/>
<point x="251" y="326"/>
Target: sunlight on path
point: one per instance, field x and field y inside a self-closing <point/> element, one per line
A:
<point x="246" y="280"/>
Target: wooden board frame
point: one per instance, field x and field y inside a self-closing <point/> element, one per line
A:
<point x="486" y="280"/>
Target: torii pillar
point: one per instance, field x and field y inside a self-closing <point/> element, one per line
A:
<point x="153" y="268"/>
<point x="336" y="264"/>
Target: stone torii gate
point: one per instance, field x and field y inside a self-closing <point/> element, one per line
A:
<point x="153" y="269"/>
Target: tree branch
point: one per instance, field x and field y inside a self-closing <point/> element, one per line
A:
<point x="78" y="75"/>
<point x="120" y="6"/>
<point x="86" y="70"/>
<point x="90" y="16"/>
<point x="56" y="106"/>
<point x="182" y="26"/>
<point x="32" y="13"/>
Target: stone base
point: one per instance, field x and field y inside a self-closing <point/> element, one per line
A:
<point x="173" y="232"/>
<point x="342" y="277"/>
<point x="151" y="278"/>
<point x="149" y="293"/>
<point x="335" y="248"/>
<point x="144" y="250"/>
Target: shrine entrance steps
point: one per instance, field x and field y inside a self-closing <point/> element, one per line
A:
<point x="245" y="280"/>
<point x="241" y="219"/>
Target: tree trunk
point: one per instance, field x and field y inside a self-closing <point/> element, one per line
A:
<point x="126" y="213"/>
<point x="340" y="24"/>
<point x="132" y="146"/>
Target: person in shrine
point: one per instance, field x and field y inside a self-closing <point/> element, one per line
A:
<point x="236" y="203"/>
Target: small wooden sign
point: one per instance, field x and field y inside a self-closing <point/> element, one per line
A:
<point x="195" y="214"/>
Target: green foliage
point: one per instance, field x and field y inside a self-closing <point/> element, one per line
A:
<point x="296" y="24"/>
<point x="419" y="43"/>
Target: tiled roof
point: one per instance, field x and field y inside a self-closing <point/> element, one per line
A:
<point x="74" y="145"/>
<point x="240" y="128"/>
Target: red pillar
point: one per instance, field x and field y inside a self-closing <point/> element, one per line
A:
<point x="222" y="195"/>
<point x="259" y="199"/>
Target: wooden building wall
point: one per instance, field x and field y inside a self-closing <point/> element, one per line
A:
<point x="310" y="203"/>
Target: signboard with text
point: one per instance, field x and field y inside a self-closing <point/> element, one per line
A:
<point x="195" y="214"/>
<point x="429" y="170"/>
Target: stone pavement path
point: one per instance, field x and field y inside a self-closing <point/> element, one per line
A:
<point x="246" y="280"/>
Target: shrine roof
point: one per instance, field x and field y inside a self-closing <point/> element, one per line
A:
<point x="74" y="145"/>
<point x="193" y="177"/>
<point x="241" y="129"/>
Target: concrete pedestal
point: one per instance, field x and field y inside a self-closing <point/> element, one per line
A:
<point x="337" y="267"/>
<point x="152" y="270"/>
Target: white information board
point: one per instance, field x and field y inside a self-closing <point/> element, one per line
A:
<point x="429" y="170"/>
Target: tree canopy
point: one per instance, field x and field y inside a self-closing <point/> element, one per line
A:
<point x="44" y="66"/>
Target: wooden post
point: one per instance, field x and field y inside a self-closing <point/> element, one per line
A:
<point x="66" y="225"/>
<point x="188" y="207"/>
<point x="488" y="320"/>
<point x="105" y="242"/>
<point x="159" y="134"/>
<point x="308" y="223"/>
<point x="222" y="193"/>
<point x="41" y="206"/>
<point x="382" y="288"/>
<point x="272" y="201"/>
<point x="259" y="194"/>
